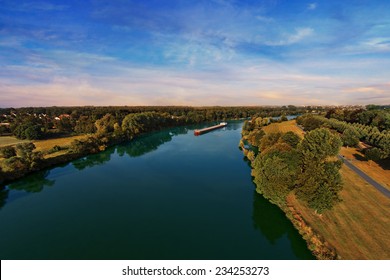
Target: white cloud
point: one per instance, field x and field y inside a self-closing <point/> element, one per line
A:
<point x="312" y="6"/>
<point x="299" y="35"/>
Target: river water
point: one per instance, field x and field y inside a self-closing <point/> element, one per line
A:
<point x="166" y="195"/>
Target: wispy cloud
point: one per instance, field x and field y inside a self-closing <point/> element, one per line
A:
<point x="289" y="39"/>
<point x="312" y="6"/>
<point x="217" y="52"/>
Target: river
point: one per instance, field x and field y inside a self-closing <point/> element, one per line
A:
<point x="166" y="195"/>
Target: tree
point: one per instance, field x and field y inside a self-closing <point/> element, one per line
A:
<point x="275" y="171"/>
<point x="291" y="138"/>
<point x="255" y="136"/>
<point x="27" y="127"/>
<point x="310" y="122"/>
<point x="269" y="139"/>
<point x="25" y="151"/>
<point x="84" y="125"/>
<point x="283" y="118"/>
<point x="7" y="152"/>
<point x="373" y="154"/>
<point x="319" y="182"/>
<point x="105" y="125"/>
<point x="15" y="164"/>
<point x="350" y="137"/>
<point x="320" y="144"/>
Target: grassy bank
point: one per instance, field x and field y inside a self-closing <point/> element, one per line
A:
<point x="357" y="227"/>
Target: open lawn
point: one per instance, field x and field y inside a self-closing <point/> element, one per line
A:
<point x="359" y="226"/>
<point x="44" y="145"/>
<point x="10" y="140"/>
<point x="379" y="172"/>
<point x="284" y="127"/>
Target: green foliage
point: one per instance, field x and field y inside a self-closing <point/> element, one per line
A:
<point x="283" y="118"/>
<point x="247" y="127"/>
<point x="25" y="151"/>
<point x="84" y="125"/>
<point x="55" y="149"/>
<point x="87" y="146"/>
<point x="135" y="124"/>
<point x="105" y="125"/>
<point x="320" y="144"/>
<point x="275" y="171"/>
<point x="251" y="155"/>
<point x="291" y="138"/>
<point x="269" y="140"/>
<point x="64" y="125"/>
<point x="350" y="137"/>
<point x="310" y="122"/>
<point x="319" y="181"/>
<point x="28" y="129"/>
<point x="14" y="164"/>
<point x="255" y="136"/>
<point x="373" y="154"/>
<point x="7" y="152"/>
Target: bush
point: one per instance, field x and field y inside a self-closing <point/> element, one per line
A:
<point x="7" y="152"/>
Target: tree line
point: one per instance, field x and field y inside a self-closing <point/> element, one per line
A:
<point x="373" y="115"/>
<point x="46" y="122"/>
<point x="352" y="133"/>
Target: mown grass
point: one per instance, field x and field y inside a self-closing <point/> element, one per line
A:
<point x="284" y="127"/>
<point x="10" y="140"/>
<point x="359" y="226"/>
<point x="45" y="145"/>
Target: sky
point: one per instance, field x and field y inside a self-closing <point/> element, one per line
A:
<point x="197" y="53"/>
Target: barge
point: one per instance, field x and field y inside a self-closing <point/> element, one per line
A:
<point x="198" y="132"/>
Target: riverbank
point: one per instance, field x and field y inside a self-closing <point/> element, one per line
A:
<point x="355" y="228"/>
<point x="315" y="242"/>
<point x="68" y="149"/>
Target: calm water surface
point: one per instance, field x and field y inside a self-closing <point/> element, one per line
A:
<point x="167" y="195"/>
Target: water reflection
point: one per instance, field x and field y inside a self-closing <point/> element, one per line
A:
<point x="148" y="143"/>
<point x="92" y="160"/>
<point x="33" y="183"/>
<point x="234" y="125"/>
<point x="264" y="213"/>
<point x="3" y="197"/>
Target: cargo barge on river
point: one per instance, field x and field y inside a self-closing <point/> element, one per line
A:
<point x="198" y="132"/>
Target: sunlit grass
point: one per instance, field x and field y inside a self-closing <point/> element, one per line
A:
<point x="10" y="140"/>
<point x="358" y="227"/>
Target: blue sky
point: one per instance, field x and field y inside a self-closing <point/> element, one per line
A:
<point x="177" y="52"/>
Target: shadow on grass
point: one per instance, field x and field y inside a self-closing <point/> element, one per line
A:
<point x="359" y="157"/>
<point x="384" y="163"/>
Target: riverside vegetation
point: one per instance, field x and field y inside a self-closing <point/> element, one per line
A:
<point x="90" y="130"/>
<point x="301" y="174"/>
